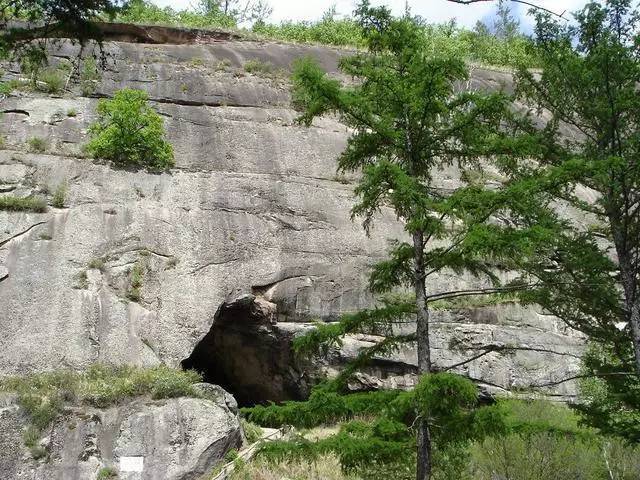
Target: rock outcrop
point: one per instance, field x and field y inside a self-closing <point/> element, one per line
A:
<point x="175" y="439"/>
<point x="253" y="207"/>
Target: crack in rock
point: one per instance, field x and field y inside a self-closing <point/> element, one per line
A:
<point x="4" y="242"/>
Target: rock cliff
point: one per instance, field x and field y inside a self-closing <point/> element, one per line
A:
<point x="252" y="212"/>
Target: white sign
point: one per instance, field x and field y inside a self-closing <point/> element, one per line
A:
<point x="131" y="464"/>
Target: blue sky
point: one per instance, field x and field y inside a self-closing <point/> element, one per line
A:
<point x="435" y="11"/>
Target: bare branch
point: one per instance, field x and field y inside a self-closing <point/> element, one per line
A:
<point x="528" y="4"/>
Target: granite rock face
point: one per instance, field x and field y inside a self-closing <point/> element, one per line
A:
<point x="253" y="207"/>
<point x="176" y="439"/>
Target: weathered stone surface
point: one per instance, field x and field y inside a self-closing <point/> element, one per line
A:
<point x="179" y="439"/>
<point x="252" y="207"/>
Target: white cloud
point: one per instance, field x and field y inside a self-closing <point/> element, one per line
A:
<point x="435" y="11"/>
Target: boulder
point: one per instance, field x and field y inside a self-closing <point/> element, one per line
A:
<point x="173" y="439"/>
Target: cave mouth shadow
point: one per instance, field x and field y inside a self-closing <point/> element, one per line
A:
<point x="246" y="354"/>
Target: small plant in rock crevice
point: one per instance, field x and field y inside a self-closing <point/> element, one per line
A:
<point x="22" y="204"/>
<point x="107" y="473"/>
<point x="37" y="144"/>
<point x="96" y="264"/>
<point x="135" y="282"/>
<point x="59" y="196"/>
<point x="81" y="280"/>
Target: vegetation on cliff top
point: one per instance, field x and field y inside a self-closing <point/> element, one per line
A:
<point x="43" y="396"/>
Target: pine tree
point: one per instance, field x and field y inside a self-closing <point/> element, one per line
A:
<point x="409" y="116"/>
<point x="588" y="165"/>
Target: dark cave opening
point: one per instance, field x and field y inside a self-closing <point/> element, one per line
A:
<point x="248" y="355"/>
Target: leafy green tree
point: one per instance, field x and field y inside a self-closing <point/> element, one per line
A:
<point x="130" y="133"/>
<point x="589" y="262"/>
<point x="409" y="118"/>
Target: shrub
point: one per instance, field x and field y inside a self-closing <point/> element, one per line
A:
<point x="130" y="133"/>
<point x="72" y="112"/>
<point x="37" y="144"/>
<point x="59" y="196"/>
<point x="22" y="204"/>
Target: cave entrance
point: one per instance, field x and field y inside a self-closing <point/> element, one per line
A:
<point x="247" y="354"/>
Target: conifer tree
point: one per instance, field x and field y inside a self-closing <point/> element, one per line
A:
<point x="409" y="117"/>
<point x="588" y="263"/>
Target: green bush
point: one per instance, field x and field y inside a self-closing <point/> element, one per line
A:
<point x="130" y="133"/>
<point x="22" y="204"/>
<point x="37" y="144"/>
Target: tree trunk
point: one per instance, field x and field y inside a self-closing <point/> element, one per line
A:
<point x="634" y="320"/>
<point x="423" y="471"/>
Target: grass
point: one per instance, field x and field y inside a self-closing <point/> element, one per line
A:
<point x="107" y="473"/>
<point x="96" y="264"/>
<point x="81" y="280"/>
<point x="59" y="196"/>
<point x="37" y="144"/>
<point x="135" y="283"/>
<point x="51" y="80"/>
<point x="258" y="67"/>
<point x="72" y="112"/>
<point x="325" y="467"/>
<point x="252" y="432"/>
<point x="22" y="204"/>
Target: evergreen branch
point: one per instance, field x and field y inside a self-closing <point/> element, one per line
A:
<point x="509" y="288"/>
<point x="499" y="348"/>
<point x="577" y="377"/>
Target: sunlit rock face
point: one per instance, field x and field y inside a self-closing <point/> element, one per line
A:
<point x="173" y="439"/>
<point x="253" y="207"/>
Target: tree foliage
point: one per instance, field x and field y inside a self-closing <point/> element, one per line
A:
<point x="409" y="118"/>
<point x="586" y="272"/>
<point x="130" y="133"/>
<point x="48" y="19"/>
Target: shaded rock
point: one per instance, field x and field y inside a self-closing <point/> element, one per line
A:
<point x="248" y="354"/>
